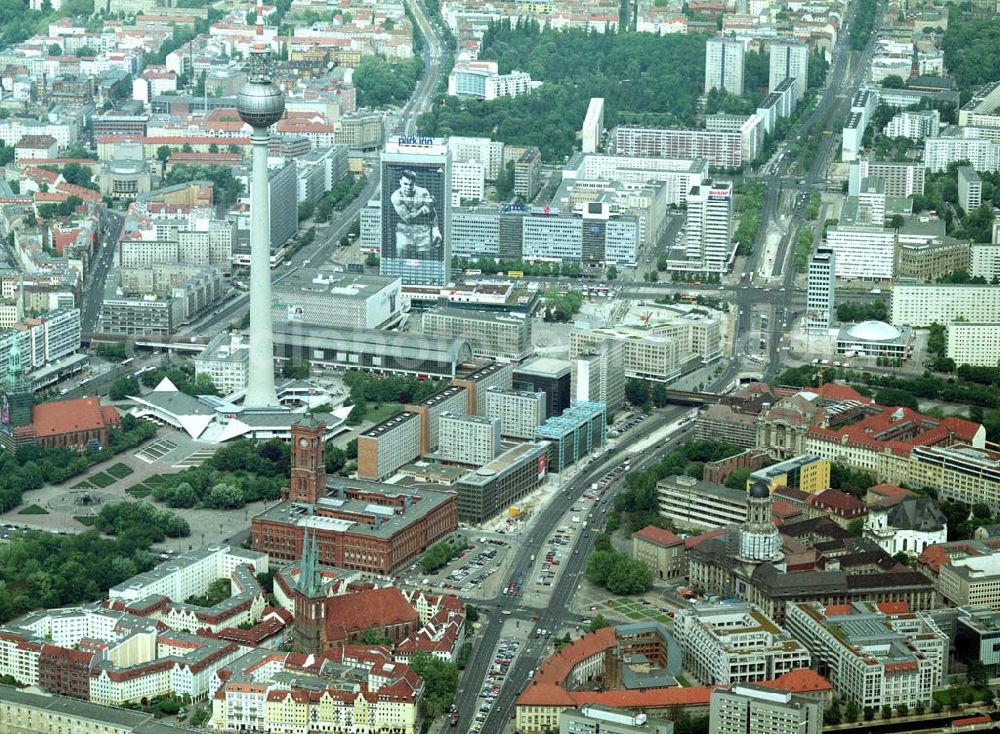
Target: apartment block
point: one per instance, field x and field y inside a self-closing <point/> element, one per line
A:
<point x="387" y="446"/>
<point x="735" y="643"/>
<point x="789" y="60"/>
<point x="480" y="379"/>
<point x="720" y="149"/>
<point x="970" y="188"/>
<point x="450" y="400"/>
<point x="518" y="411"/>
<point x="724" y="65"/>
<point x="923" y="304"/>
<point x="468" y="439"/>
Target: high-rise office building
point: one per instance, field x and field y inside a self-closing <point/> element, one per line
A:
<point x="709" y="227"/>
<point x="724" y="65"/>
<point x="789" y="60"/>
<point x="416" y="211"/>
<point x="820" y="288"/>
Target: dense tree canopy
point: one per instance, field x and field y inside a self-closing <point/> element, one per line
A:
<point x="971" y="47"/>
<point x="645" y="79"/>
<point x="226" y="188"/>
<point x="383" y="82"/>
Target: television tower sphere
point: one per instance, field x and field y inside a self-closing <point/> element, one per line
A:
<point x="260" y="102"/>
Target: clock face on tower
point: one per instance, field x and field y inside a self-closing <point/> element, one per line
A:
<point x="303" y="442"/>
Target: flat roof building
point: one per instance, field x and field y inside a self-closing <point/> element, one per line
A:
<point x="373" y="350"/>
<point x="337" y="300"/>
<point x="735" y="643"/>
<point x="550" y="376"/>
<point x="519" y="411"/>
<point x="877" y="654"/>
<point x="693" y="503"/>
<point x="468" y="439"/>
<point x="489" y="333"/>
<point x="481" y="376"/>
<point x="452" y="399"/>
<point x="388" y="445"/>
<point x="496" y="486"/>
<point x="806" y="473"/>
<point x="756" y="709"/>
<point x="580" y="429"/>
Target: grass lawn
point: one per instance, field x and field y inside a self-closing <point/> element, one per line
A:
<point x="87" y="520"/>
<point x="102" y="480"/>
<point x="139" y="491"/>
<point x="119" y="470"/>
<point x="155" y="480"/>
<point x="683" y="682"/>
<point x="662" y="618"/>
<point x="33" y="510"/>
<point x="633" y="615"/>
<point x="377" y="413"/>
<point x="83" y="485"/>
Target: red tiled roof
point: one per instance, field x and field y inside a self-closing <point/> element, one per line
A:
<point x="67" y="416"/>
<point x="697" y="540"/>
<point x="836" y="610"/>
<point x="782" y="509"/>
<point x="557" y="667"/>
<point x="659" y="536"/>
<point x="800" y="680"/>
<point x="972" y="720"/>
<point x="839" y="503"/>
<point x="893" y="607"/>
<point x="890" y="490"/>
<point x="367" y="609"/>
<point x="650" y="698"/>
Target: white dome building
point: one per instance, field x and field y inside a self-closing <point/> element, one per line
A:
<point x="875" y="339"/>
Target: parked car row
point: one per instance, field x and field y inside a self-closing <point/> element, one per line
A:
<point x="503" y="659"/>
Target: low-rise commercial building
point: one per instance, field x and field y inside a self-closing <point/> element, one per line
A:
<point x="696" y="504"/>
<point x="971" y="581"/>
<point x="577" y="431"/>
<point x="224" y="361"/>
<point x="497" y="485"/>
<point x="489" y="333"/>
<point x="373" y="350"/>
<point x="337" y="300"/>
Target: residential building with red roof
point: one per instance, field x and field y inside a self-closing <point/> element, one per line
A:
<point x="661" y="550"/>
<point x="878" y="654"/>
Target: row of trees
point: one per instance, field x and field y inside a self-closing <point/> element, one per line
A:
<point x="749" y="204"/>
<point x="368" y="389"/>
<point x="438" y="555"/>
<point x="491" y="266"/>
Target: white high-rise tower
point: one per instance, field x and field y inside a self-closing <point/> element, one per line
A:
<point x="260" y="104"/>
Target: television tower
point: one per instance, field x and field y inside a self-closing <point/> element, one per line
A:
<point x="260" y="104"/>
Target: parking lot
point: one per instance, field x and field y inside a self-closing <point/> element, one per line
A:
<point x="472" y="573"/>
<point x="503" y="659"/>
